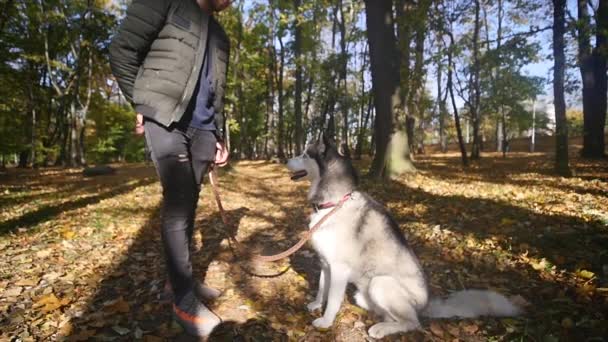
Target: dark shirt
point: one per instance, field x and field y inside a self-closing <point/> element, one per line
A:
<point x="200" y="109"/>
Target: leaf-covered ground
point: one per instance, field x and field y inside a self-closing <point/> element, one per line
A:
<point x="80" y="258"/>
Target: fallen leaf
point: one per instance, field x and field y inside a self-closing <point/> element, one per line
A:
<point x="12" y="292"/>
<point x="27" y="282"/>
<point x="453" y="330"/>
<point x="470" y="329"/>
<point x="50" y="303"/>
<point x="117" y="305"/>
<point x="120" y="330"/>
<point x="68" y="234"/>
<point x="436" y="329"/>
<point x="585" y="274"/>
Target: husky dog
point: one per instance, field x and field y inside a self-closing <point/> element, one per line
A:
<point x="360" y="243"/>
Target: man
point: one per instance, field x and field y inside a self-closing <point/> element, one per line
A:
<point x="170" y="59"/>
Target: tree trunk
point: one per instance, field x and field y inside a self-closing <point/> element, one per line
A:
<point x="33" y="142"/>
<point x="475" y="87"/>
<point x="23" y="159"/>
<point x="271" y="77"/>
<point x="385" y="84"/>
<point x="342" y="86"/>
<point x="450" y="86"/>
<point x="73" y="161"/>
<point x="361" y="138"/>
<point x="441" y="99"/>
<point x="498" y="135"/>
<point x="404" y="11"/>
<point x="561" y="126"/>
<point x="299" y="134"/>
<point x="269" y="102"/>
<point x="533" y="135"/>
<point x="505" y="138"/>
<point x="360" y="126"/>
<point x="416" y="88"/>
<point x="592" y="64"/>
<point x="281" y="142"/>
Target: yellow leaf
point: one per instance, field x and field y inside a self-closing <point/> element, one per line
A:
<point x="49" y="303"/>
<point x="585" y="274"/>
<point x="540" y="265"/>
<point x="48" y="299"/>
<point x="68" y="234"/>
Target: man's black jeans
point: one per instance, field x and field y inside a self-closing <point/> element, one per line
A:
<point x="181" y="156"/>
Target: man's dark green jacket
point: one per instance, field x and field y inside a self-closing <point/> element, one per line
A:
<point x="157" y="54"/>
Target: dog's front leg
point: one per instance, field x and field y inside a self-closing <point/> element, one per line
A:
<point x="338" y="279"/>
<point x="323" y="287"/>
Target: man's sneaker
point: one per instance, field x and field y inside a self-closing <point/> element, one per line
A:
<point x="202" y="292"/>
<point x="194" y="316"/>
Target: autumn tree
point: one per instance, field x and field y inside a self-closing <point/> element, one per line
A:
<point x="389" y="158"/>
<point x="561" y="127"/>
<point x="592" y="62"/>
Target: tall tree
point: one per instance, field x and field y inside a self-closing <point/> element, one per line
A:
<point x="474" y="85"/>
<point x="299" y="133"/>
<point x="405" y="10"/>
<point x="281" y="92"/>
<point x="592" y="64"/>
<point x="389" y="158"/>
<point x="561" y="126"/>
<point x="450" y="89"/>
<point x="342" y="86"/>
<point x="416" y="87"/>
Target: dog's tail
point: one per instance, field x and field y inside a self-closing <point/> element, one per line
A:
<point x="471" y="303"/>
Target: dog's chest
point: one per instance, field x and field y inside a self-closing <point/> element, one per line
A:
<point x="325" y="239"/>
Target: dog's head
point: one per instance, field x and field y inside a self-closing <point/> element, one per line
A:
<point x="321" y="161"/>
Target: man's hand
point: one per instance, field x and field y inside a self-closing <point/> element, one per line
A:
<point x="139" y="124"/>
<point x="221" y="154"/>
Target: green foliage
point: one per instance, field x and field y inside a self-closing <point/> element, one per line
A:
<point x="110" y="134"/>
<point x="575" y="122"/>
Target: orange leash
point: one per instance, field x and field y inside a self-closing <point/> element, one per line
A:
<point x="269" y="258"/>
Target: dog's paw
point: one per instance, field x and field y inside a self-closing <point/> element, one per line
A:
<point x="322" y="323"/>
<point x="383" y="329"/>
<point x="312" y="306"/>
<point x="377" y="331"/>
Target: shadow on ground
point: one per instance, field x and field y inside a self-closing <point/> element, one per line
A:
<point x="66" y="184"/>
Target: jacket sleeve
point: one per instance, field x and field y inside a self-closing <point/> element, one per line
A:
<point x="130" y="45"/>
